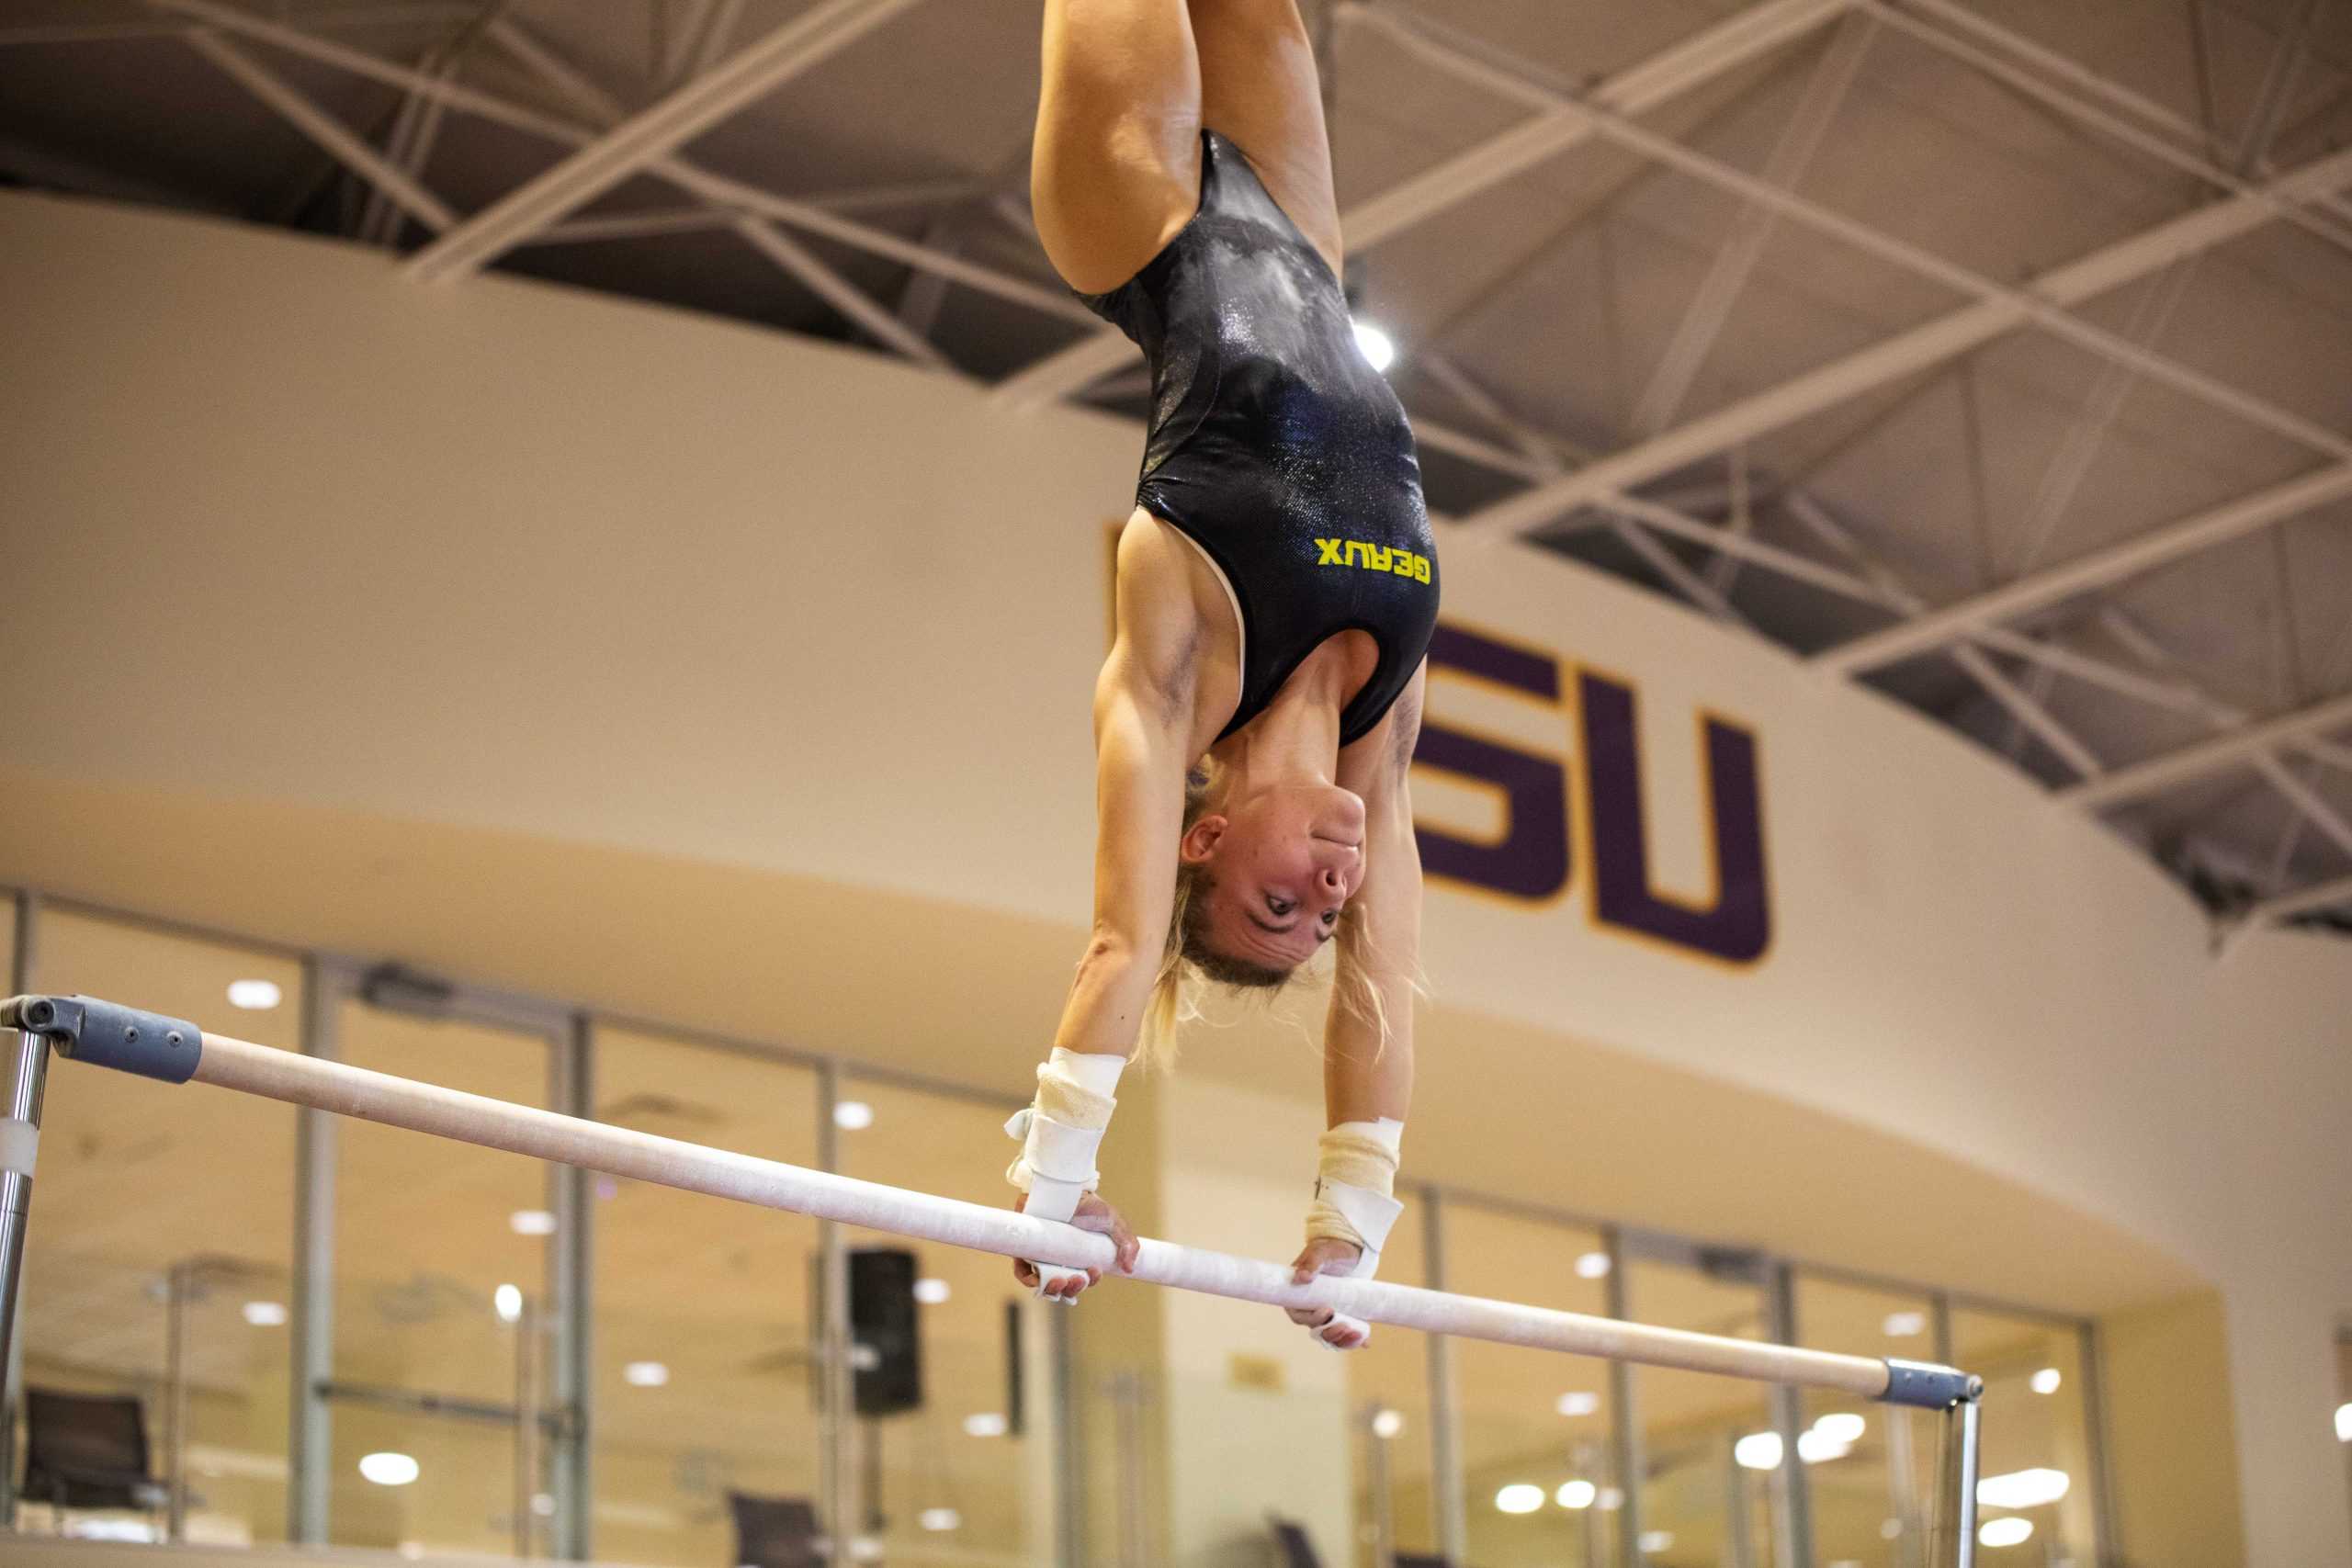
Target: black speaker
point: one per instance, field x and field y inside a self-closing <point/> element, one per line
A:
<point x="885" y="1338"/>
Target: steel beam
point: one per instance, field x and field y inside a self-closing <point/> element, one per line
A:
<point x="1911" y="352"/>
<point x="2306" y="901"/>
<point x="1520" y="514"/>
<point x="1455" y="180"/>
<point x="1824" y="94"/>
<point x="2183" y="536"/>
<point x="339" y="141"/>
<point x="814" y="215"/>
<point x="2165" y="148"/>
<point x="645" y="138"/>
<point x="2190" y="763"/>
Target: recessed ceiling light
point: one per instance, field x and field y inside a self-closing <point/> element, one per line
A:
<point x="1387" y="1423"/>
<point x="1842" y="1427"/>
<point x="532" y="1222"/>
<point x="1818" y="1446"/>
<point x="1758" y="1450"/>
<point x="1593" y="1266"/>
<point x="930" y="1292"/>
<point x="255" y="995"/>
<point x="939" y="1519"/>
<point x="645" y="1375"/>
<point x="2022" y="1489"/>
<point x="853" y="1115"/>
<point x="2046" y="1381"/>
<point x="1904" y="1325"/>
<point x="266" y="1314"/>
<point x="2006" y="1532"/>
<point x="1612" y="1499"/>
<point x="1577" y="1402"/>
<point x="1656" y="1541"/>
<point x="988" y="1423"/>
<point x="508" y="1299"/>
<point x="1519" y="1498"/>
<point x="1575" y="1494"/>
<point x="387" y="1469"/>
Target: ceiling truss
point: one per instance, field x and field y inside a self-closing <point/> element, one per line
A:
<point x="705" y="77"/>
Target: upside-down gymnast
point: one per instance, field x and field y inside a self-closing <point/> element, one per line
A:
<point x="1277" y="587"/>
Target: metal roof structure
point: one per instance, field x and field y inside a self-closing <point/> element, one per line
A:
<point x="1994" y="354"/>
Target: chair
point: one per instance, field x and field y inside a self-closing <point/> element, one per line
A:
<point x="1297" y="1551"/>
<point x="776" y="1533"/>
<point x="86" y="1451"/>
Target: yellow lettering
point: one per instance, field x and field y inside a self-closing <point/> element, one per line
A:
<point x="1328" y="553"/>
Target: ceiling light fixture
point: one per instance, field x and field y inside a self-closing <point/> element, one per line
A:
<point x="266" y="1314"/>
<point x="1387" y="1423"/>
<point x="1593" y="1266"/>
<point x="255" y="995"/>
<point x="2046" y="1381"/>
<point x="532" y="1222"/>
<point x="2022" y="1489"/>
<point x="853" y="1115"/>
<point x="645" y="1375"/>
<point x="1904" y="1325"/>
<point x="1579" y="1494"/>
<point x="1519" y="1498"/>
<point x="508" y="1301"/>
<point x="988" y="1423"/>
<point x="1578" y="1403"/>
<point x="2006" y="1532"/>
<point x="387" y="1469"/>
<point x="931" y="1292"/>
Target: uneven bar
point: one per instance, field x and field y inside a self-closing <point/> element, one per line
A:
<point x="344" y="1091"/>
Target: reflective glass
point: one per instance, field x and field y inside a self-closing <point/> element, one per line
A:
<point x="1711" y="1471"/>
<point x="158" y="1203"/>
<point x="964" y="1472"/>
<point x="1872" y="1480"/>
<point x="1540" y="1488"/>
<point x="1388" y="1389"/>
<point x="440" y="1394"/>
<point x="703" y="1343"/>
<point x="2037" y="1469"/>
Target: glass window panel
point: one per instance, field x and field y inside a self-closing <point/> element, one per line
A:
<point x="703" y="1336"/>
<point x="428" y="1233"/>
<point x="1700" y="1503"/>
<point x="2035" y="1433"/>
<point x="952" y="1475"/>
<point x="153" y="1196"/>
<point x="1535" y="1424"/>
<point x="1872" y="1497"/>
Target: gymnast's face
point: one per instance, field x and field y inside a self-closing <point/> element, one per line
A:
<point x="1281" y="865"/>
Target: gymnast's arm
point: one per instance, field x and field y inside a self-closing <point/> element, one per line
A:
<point x="1143" y="743"/>
<point x="1143" y="724"/>
<point x="1368" y="1051"/>
<point x="1368" y="1056"/>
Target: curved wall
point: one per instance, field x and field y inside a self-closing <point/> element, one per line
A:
<point x="506" y="559"/>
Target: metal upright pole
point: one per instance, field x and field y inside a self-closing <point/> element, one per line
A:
<point x="1968" y="1414"/>
<point x="835" y="1375"/>
<point x="26" y="1057"/>
<point x="179" y="1300"/>
<point x="12" y="1203"/>
<point x="1445" y="1407"/>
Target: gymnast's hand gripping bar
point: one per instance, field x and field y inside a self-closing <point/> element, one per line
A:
<point x="173" y="1051"/>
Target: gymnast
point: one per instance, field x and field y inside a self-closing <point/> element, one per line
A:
<point x="1276" y="590"/>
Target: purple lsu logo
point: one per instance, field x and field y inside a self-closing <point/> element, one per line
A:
<point x="1532" y="860"/>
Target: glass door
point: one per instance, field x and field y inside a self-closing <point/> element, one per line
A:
<point x="448" y="1413"/>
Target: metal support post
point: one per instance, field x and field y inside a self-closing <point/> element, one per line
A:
<point x="1625" y="1458"/>
<point x="836" y="1402"/>
<point x="1446" y="1410"/>
<point x="528" y="1333"/>
<point x="568" y="1385"/>
<point x="310" y="1348"/>
<point x="26" y="1057"/>
<point x="1955" y="1539"/>
<point x="1376" y="1484"/>
<point x="1793" y="1519"/>
<point x="181" y="1288"/>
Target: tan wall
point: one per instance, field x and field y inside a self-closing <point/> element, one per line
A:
<point x="2172" y="1435"/>
<point x="608" y="586"/>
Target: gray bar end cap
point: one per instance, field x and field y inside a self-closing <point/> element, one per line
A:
<point x="1926" y="1386"/>
<point x="107" y="1035"/>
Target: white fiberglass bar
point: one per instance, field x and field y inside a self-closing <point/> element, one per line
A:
<point x="95" y="1032"/>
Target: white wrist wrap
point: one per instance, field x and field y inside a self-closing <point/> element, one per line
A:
<point x="1354" y="1185"/>
<point x="1059" y="1131"/>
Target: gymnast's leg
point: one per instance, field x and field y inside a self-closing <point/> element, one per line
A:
<point x="1259" y="90"/>
<point x="1117" y="166"/>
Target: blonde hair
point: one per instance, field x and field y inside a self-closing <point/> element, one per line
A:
<point x="1189" y="965"/>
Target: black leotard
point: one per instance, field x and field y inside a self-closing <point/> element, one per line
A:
<point x="1275" y="444"/>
